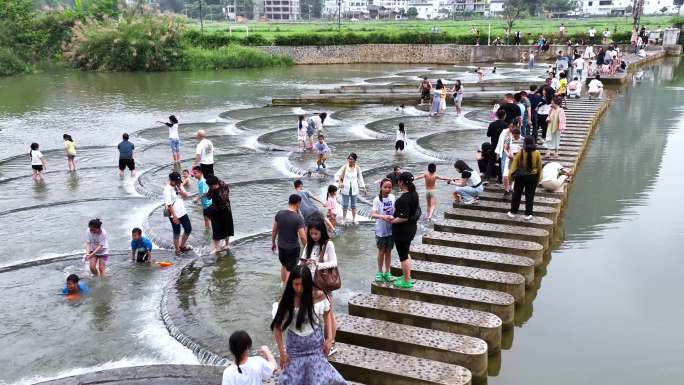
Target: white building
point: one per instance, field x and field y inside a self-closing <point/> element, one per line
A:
<point x="427" y="9"/>
<point x="619" y="7"/>
<point x="496" y="7"/>
<point x="281" y="9"/>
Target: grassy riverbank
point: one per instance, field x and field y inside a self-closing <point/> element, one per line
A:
<point x="534" y="26"/>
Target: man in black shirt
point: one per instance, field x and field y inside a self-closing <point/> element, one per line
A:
<point x="512" y="110"/>
<point x="493" y="132"/>
<point x="534" y="99"/>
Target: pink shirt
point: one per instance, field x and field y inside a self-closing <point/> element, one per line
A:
<point x="330" y="204"/>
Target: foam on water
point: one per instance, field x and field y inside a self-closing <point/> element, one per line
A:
<point x="281" y="164"/>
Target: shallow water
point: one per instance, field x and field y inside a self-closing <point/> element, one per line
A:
<point x="617" y="218"/>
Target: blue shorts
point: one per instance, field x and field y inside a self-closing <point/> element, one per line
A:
<point x="347" y="199"/>
<point x="175" y="145"/>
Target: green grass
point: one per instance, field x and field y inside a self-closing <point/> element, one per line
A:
<point x="535" y="26"/>
<point x="233" y="56"/>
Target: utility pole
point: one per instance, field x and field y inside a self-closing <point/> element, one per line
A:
<point x="637" y="11"/>
<point x="201" y="18"/>
<point x="339" y="15"/>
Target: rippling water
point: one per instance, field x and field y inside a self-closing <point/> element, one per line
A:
<point x="608" y="288"/>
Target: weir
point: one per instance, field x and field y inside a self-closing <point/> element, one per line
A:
<point x="474" y="274"/>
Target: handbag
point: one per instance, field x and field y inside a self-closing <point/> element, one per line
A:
<point x="327" y="279"/>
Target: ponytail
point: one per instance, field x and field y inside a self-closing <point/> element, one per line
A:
<point x="529" y="149"/>
<point x="239" y="343"/>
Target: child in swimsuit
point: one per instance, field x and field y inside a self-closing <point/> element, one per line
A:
<point x="74" y="286"/>
<point x="430" y="180"/>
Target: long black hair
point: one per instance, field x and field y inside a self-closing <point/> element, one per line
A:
<point x="285" y="313"/>
<point x="239" y="342"/>
<point x="529" y="148"/>
<point x="462" y="166"/>
<point x="301" y="121"/>
<point x="457" y="86"/>
<point x="67" y="137"/>
<point x="322" y="242"/>
<point x="34" y="147"/>
<point x="439" y="85"/>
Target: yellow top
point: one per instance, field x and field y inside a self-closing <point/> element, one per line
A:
<point x="520" y="160"/>
<point x="70" y="147"/>
<point x="563" y="87"/>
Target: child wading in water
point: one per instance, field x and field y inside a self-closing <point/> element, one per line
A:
<point x="74" y="286"/>
<point x="430" y="190"/>
<point x="322" y="151"/>
<point x="37" y="162"/>
<point x="331" y="204"/>
<point x="383" y="212"/>
<point x="401" y="140"/>
<point x="96" y="247"/>
<point x="70" y="151"/>
<point x="301" y="133"/>
<point x="247" y="370"/>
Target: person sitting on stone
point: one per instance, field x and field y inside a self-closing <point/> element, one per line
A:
<point x="554" y="176"/>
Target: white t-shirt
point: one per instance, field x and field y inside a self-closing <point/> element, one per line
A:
<point x="401" y="136"/>
<point x="36" y="158"/>
<point x="172" y="199"/>
<point x="579" y="63"/>
<point x="592" y="32"/>
<point x="588" y="52"/>
<point x="254" y="371"/>
<point x="319" y="309"/>
<point x="205" y="149"/>
<point x="555" y="84"/>
<point x="386" y="207"/>
<point x="551" y="171"/>
<point x="595" y="85"/>
<point x="96" y="240"/>
<point x="173" y="132"/>
<point x="575" y="87"/>
<point x="606" y="33"/>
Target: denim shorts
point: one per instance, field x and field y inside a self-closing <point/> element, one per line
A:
<point x="175" y="145"/>
<point x="347" y="199"/>
<point x="184" y="221"/>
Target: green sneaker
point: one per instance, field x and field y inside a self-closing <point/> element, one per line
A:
<point x="379" y="277"/>
<point x="401" y="279"/>
<point x="402" y="284"/>
<point x="388" y="277"/>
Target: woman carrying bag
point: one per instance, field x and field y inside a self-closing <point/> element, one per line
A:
<point x="319" y="255"/>
<point x="526" y="171"/>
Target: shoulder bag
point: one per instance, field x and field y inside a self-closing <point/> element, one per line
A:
<point x="327" y="279"/>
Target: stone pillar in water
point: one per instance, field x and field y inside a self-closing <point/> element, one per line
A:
<point x="670" y="39"/>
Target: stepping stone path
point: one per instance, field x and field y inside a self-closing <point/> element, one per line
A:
<point x="470" y="272"/>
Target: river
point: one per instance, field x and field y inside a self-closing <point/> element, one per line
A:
<point x="606" y="308"/>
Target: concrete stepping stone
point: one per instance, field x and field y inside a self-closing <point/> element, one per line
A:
<point x="501" y="281"/>
<point x="372" y="366"/>
<point x="473" y="323"/>
<point x="273" y="380"/>
<point x="503" y="207"/>
<point x="476" y="258"/>
<point x="498" y="188"/>
<point x="458" y="226"/>
<point x="498" y="217"/>
<point x="468" y="352"/>
<point x="491" y="301"/>
<point x="538" y="199"/>
<point x="477" y="242"/>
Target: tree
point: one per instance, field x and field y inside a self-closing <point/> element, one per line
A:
<point x="663" y="10"/>
<point x="412" y="13"/>
<point x="513" y="10"/>
<point x="629" y="9"/>
<point x="560" y="6"/>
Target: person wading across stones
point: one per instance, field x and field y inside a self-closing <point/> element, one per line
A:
<point x="220" y="213"/>
<point x="424" y="89"/>
<point x="307" y="208"/>
<point x="526" y="171"/>
<point x="204" y="154"/>
<point x="96" y="248"/>
<point x="350" y="181"/>
<point x="70" y="151"/>
<point x="126" y="156"/>
<point x="201" y="198"/>
<point x="174" y="193"/>
<point x="431" y="179"/>
<point x="288" y="229"/>
<point x="404" y="226"/>
<point x="305" y="317"/>
<point x="314" y="127"/>
<point x="174" y="137"/>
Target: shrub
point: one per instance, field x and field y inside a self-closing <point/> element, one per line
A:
<point x="233" y="56"/>
<point x="141" y="43"/>
<point x="10" y="63"/>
